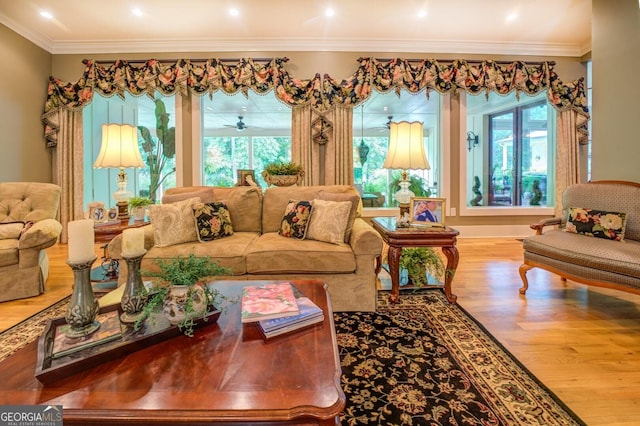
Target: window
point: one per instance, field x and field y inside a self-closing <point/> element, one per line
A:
<point x="223" y="156"/>
<point x="513" y="163"/>
<point x="241" y="132"/>
<point x="159" y="173"/>
<point x="371" y="141"/>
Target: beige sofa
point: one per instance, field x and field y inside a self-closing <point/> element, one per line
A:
<point x="256" y="251"/>
<point x="586" y="259"/>
<point x="28" y="225"/>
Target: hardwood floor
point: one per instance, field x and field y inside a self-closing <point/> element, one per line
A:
<point x="582" y="342"/>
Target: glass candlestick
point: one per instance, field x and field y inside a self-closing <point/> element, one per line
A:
<point x="134" y="296"/>
<point x="83" y="307"/>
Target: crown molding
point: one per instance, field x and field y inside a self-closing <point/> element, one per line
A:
<point x="25" y="32"/>
<point x="318" y="45"/>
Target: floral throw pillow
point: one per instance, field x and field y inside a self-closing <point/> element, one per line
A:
<point x="213" y="221"/>
<point x="596" y="223"/>
<point x="295" y="220"/>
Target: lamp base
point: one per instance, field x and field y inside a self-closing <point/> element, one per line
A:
<point x="123" y="210"/>
<point x="404" y="208"/>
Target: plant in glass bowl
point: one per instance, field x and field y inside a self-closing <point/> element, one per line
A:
<point x="283" y="173"/>
<point x="138" y="206"/>
<point x="418" y="261"/>
<point x="181" y="293"/>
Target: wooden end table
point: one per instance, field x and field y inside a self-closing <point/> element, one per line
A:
<point x="106" y="275"/>
<point x="416" y="236"/>
<point x="226" y="373"/>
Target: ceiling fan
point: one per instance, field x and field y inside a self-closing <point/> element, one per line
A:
<point x="387" y="125"/>
<point x="240" y="125"/>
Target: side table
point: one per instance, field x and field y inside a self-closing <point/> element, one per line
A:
<point x="106" y="275"/>
<point x="417" y="236"/>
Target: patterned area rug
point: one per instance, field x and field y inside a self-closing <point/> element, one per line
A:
<point x="424" y="361"/>
<point x="421" y="361"/>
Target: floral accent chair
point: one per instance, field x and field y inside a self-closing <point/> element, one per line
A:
<point x="28" y="225"/>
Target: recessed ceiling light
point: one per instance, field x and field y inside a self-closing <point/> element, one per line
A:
<point x="136" y="11"/>
<point x="329" y="12"/>
<point x="234" y="12"/>
<point x="422" y="14"/>
<point x="511" y="17"/>
<point x="45" y="14"/>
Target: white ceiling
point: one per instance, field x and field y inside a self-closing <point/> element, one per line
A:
<point x="500" y="27"/>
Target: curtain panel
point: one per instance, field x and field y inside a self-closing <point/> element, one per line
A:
<point x="322" y="107"/>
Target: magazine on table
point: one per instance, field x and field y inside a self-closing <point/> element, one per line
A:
<point x="268" y="301"/>
<point x="110" y="329"/>
<point x="309" y="314"/>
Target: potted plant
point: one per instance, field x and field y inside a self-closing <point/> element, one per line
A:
<point x="138" y="206"/>
<point x="283" y="173"/>
<point x="418" y="261"/>
<point x="183" y="297"/>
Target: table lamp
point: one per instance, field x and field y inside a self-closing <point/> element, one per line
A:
<point x="406" y="151"/>
<point x="120" y="149"/>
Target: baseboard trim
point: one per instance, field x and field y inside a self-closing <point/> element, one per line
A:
<point x="494" y="231"/>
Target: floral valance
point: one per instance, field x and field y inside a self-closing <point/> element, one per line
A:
<point x="207" y="77"/>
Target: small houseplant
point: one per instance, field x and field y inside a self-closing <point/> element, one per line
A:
<point x="181" y="294"/>
<point x="138" y="205"/>
<point x="420" y="260"/>
<point x="283" y="173"/>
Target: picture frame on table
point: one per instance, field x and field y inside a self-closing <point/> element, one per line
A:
<point x="427" y="211"/>
<point x="242" y="177"/>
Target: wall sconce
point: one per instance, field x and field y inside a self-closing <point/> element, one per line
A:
<point x="472" y="140"/>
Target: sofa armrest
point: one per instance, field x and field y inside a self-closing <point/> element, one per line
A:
<point x="40" y="235"/>
<point x="364" y="239"/>
<point x="539" y="226"/>
<point x="115" y="246"/>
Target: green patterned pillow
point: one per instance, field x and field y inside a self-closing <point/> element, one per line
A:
<point x="596" y="223"/>
<point x="213" y="221"/>
<point x="295" y="220"/>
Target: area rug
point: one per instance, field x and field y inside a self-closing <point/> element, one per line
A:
<point x="424" y="361"/>
<point x="421" y="361"/>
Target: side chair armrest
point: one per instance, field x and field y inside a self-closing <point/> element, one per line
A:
<point x="539" y="226"/>
<point x="40" y="235"/>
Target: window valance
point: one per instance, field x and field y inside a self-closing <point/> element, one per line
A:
<point x="206" y="77"/>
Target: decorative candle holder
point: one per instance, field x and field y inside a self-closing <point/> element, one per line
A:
<point x="134" y="296"/>
<point x="83" y="307"/>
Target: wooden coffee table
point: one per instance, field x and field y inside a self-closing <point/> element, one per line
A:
<point x="417" y="236"/>
<point x="225" y="373"/>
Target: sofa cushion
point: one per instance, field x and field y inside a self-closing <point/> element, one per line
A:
<point x="609" y="197"/>
<point x="595" y="253"/>
<point x="228" y="252"/>
<point x="172" y="195"/>
<point x="276" y="198"/>
<point x="275" y="254"/>
<point x="11" y="230"/>
<point x="173" y="223"/>
<point x="212" y="221"/>
<point x="596" y="223"/>
<point x="245" y="206"/>
<point x="295" y="220"/>
<point x="9" y="252"/>
<point x="328" y="221"/>
<point x="354" y="199"/>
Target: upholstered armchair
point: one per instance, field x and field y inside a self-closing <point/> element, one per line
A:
<point x="28" y="225"/>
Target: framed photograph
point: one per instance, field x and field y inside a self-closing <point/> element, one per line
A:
<point x="242" y="177"/>
<point x="427" y="211"/>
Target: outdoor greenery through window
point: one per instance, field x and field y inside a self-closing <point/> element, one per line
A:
<point x="513" y="163"/>
<point x="155" y="119"/>
<point x="371" y="120"/>
<point x="223" y="156"/>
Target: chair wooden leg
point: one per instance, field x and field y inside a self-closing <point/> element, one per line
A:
<point x="523" y="275"/>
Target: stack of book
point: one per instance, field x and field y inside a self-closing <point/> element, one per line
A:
<point x="276" y="310"/>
